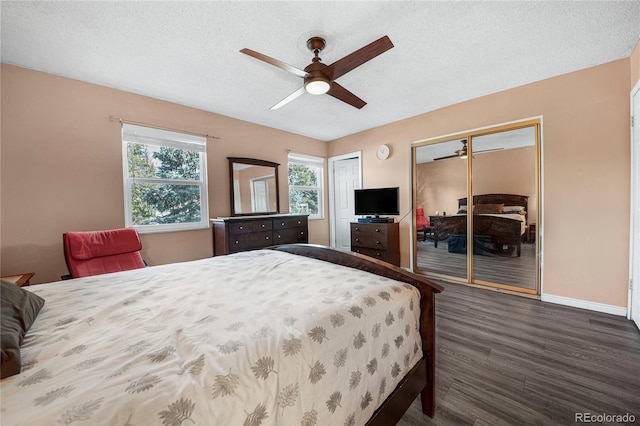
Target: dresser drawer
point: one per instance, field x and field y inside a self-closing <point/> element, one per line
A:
<point x="366" y="239"/>
<point x="369" y="228"/>
<point x="289" y="236"/>
<point x="262" y="225"/>
<point x="377" y="254"/>
<point x="240" y="227"/>
<point x="241" y="242"/>
<point x="286" y="223"/>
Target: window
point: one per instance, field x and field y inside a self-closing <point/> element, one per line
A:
<point x="306" y="185"/>
<point x="165" y="180"/>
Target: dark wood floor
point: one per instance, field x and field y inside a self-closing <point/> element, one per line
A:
<point x="510" y="360"/>
<point x="510" y="270"/>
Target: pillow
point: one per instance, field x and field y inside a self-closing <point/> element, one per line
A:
<point x="514" y="209"/>
<point x="19" y="310"/>
<point x="488" y="209"/>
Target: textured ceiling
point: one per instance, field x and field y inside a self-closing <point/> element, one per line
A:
<point x="188" y="52"/>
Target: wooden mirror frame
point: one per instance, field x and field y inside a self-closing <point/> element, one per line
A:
<point x="252" y="162"/>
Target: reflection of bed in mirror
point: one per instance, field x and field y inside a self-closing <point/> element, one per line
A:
<point x="254" y="188"/>
<point x="499" y="225"/>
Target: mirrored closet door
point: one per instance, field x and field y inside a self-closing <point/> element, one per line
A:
<point x="478" y="193"/>
<point x="440" y="179"/>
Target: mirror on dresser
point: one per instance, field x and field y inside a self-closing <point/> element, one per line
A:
<point x="254" y="186"/>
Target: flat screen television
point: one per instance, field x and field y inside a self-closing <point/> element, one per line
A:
<point x="377" y="201"/>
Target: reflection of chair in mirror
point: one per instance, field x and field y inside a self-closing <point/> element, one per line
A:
<point x="422" y="224"/>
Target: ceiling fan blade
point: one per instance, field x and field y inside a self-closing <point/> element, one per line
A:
<point x="275" y="62"/>
<point x="339" y="92"/>
<point x="488" y="150"/>
<point x="357" y="58"/>
<point x="448" y="156"/>
<point x="289" y="98"/>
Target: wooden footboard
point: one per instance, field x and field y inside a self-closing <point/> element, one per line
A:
<point x="421" y="379"/>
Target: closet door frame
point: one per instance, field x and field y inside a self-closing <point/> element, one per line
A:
<point x="633" y="311"/>
<point x="539" y="240"/>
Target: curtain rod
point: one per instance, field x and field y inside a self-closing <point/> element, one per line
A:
<point x="121" y="121"/>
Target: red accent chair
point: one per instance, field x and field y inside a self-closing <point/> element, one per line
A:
<point x="422" y="223"/>
<point x="102" y="252"/>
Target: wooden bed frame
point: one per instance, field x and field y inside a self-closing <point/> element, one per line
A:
<point x="421" y="379"/>
<point x="503" y="231"/>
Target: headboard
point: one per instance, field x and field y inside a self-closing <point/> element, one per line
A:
<point x="506" y="199"/>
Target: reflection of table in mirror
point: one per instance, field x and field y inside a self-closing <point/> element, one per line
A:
<point x="434" y="221"/>
<point x="531" y="233"/>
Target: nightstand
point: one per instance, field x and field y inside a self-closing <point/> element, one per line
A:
<point x="20" y="280"/>
<point x="531" y="233"/>
<point x="379" y="240"/>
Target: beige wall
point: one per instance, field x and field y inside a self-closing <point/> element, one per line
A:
<point x="61" y="167"/>
<point x="439" y="184"/>
<point x="586" y="171"/>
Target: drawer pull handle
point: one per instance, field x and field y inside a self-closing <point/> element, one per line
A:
<point x="377" y="230"/>
<point x="239" y="227"/>
<point x="357" y="229"/>
<point x="357" y="251"/>
<point x="377" y="242"/>
<point x="357" y="239"/>
<point x="301" y="232"/>
<point x="263" y="225"/>
<point x="378" y="254"/>
<point x="266" y="238"/>
<point x="237" y="241"/>
<point x="282" y="224"/>
<point x="279" y="236"/>
<point x="299" y="223"/>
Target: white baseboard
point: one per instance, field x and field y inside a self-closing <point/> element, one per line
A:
<point x="585" y="304"/>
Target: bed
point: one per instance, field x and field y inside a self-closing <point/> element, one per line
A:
<point x="499" y="224"/>
<point x="295" y="334"/>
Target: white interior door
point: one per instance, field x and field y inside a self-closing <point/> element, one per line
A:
<point x="237" y="200"/>
<point x="259" y="195"/>
<point x="634" y="296"/>
<point x="346" y="178"/>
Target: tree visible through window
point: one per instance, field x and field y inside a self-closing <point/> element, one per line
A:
<point x="305" y="185"/>
<point x="165" y="180"/>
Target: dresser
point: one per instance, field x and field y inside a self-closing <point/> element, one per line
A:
<point x="379" y="240"/>
<point x="234" y="234"/>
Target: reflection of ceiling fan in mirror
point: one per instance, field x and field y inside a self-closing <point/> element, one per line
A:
<point x="320" y="78"/>
<point x="462" y="153"/>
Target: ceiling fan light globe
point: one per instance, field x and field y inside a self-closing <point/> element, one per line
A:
<point x="317" y="86"/>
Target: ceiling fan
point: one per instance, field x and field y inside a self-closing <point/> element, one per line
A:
<point x="320" y="78"/>
<point x="462" y="153"/>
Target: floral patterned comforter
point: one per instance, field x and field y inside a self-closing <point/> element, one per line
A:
<point x="253" y="338"/>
